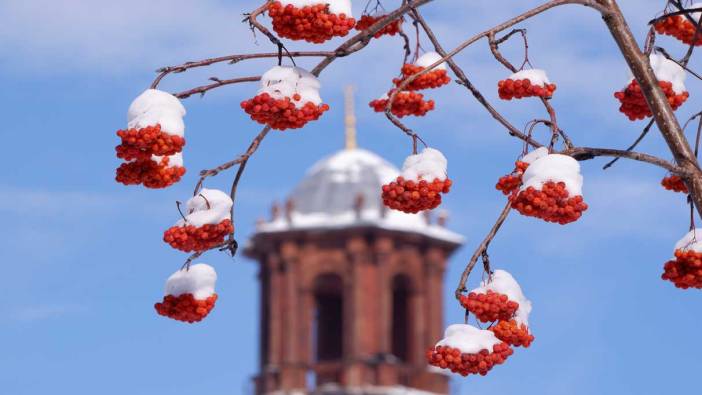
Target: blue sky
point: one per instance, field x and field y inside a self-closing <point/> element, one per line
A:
<point x="82" y="257"/>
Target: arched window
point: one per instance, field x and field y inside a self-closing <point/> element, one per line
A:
<point x="328" y="336"/>
<point x="401" y="312"/>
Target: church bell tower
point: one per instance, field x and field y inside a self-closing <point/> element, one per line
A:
<point x="351" y="292"/>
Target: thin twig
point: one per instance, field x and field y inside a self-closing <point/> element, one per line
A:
<point x="241" y="158"/>
<point x="481" y="249"/>
<point x="216" y="84"/>
<point x="679" y="63"/>
<point x="632" y="146"/>
<point x="586" y="153"/>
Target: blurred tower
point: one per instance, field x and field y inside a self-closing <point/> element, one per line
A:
<point x="351" y="293"/>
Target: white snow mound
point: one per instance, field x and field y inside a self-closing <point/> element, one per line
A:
<point x="535" y="76"/>
<point x="692" y="241"/>
<point x="556" y="168"/>
<point x="468" y="339"/>
<point x="337" y="7"/>
<point x="427" y="165"/>
<point x="503" y="282"/>
<point x="199" y="280"/>
<point x="157" y="107"/>
<point x="667" y="70"/>
<point x="429" y="59"/>
<point x="534" y="155"/>
<point x="198" y="212"/>
<point x="285" y="81"/>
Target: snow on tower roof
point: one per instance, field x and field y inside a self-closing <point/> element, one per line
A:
<point x="326" y="197"/>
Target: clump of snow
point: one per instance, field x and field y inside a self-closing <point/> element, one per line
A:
<point x="468" y="339"/>
<point x="198" y="280"/>
<point x="175" y="160"/>
<point x="427" y="165"/>
<point x="503" y="282"/>
<point x="285" y="81"/>
<point x="157" y="107"/>
<point x="556" y="168"/>
<point x="209" y="207"/>
<point x="429" y="59"/>
<point x="535" y="76"/>
<point x="534" y="155"/>
<point x="667" y="70"/>
<point x="692" y="241"/>
<point x="337" y="7"/>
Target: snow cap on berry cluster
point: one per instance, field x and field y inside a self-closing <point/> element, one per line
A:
<point x="429" y="59"/>
<point x="535" y="76"/>
<point x="556" y="168"/>
<point x="337" y="7"/>
<point x="692" y="241"/>
<point x="534" y="155"/>
<point x="667" y="70"/>
<point x="198" y="280"/>
<point x="502" y="282"/>
<point x="209" y="207"/>
<point x="427" y="165"/>
<point x="157" y="107"/>
<point x="286" y="81"/>
<point x="468" y="339"/>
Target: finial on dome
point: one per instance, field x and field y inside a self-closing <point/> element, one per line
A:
<point x="349" y="118"/>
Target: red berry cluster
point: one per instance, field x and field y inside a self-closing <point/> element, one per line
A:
<point x="185" y="307"/>
<point x="432" y="79"/>
<point x="405" y="103"/>
<point x="464" y="364"/>
<point x="685" y="271"/>
<point x="147" y="141"/>
<point x="634" y="104"/>
<point x="281" y="114"/>
<point x="516" y="89"/>
<point x="191" y="238"/>
<point x="390" y="29"/>
<point x="490" y="306"/>
<point x="513" y="334"/>
<point x="150" y="173"/>
<point x="552" y="203"/>
<point x="511" y="182"/>
<point x="313" y="23"/>
<point x="674" y="183"/>
<point x="412" y="196"/>
<point x="679" y="27"/>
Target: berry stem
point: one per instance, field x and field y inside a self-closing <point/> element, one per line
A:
<point x="482" y="248"/>
<point x="207" y="202"/>
<point x="178" y="203"/>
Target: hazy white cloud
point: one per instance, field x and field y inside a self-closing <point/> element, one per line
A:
<point x="38" y="202"/>
<point x="50" y="219"/>
<point x="45" y="312"/>
<point x="109" y="36"/>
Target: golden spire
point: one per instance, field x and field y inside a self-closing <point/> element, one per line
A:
<point x="349" y="118"/>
